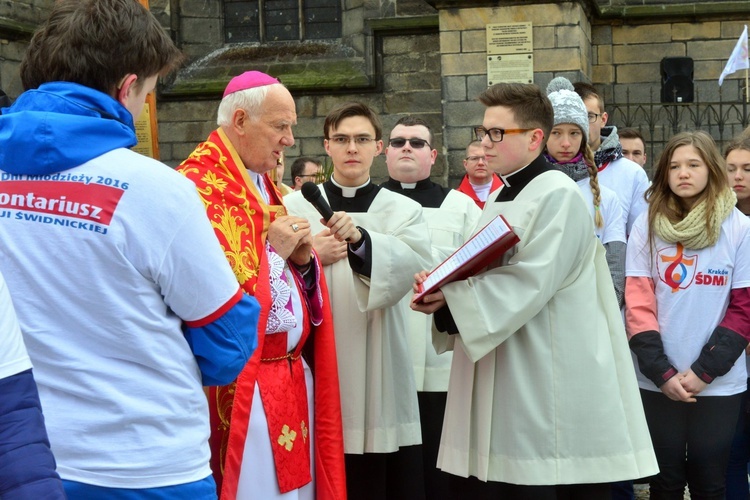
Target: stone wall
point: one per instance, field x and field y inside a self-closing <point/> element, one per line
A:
<point x="410" y="85"/>
<point x="425" y="57"/>
<point x="18" y="19"/>
<point x="562" y="47"/>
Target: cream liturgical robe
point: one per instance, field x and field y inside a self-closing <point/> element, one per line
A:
<point x="450" y="225"/>
<point x="542" y="388"/>
<point x="378" y="394"/>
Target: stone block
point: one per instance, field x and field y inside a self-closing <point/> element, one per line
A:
<point x="544" y="37"/>
<point x="474" y="41"/>
<point x="12" y="50"/>
<point x="353" y="22"/>
<point x="603" y="55"/>
<point x="646" y="52"/>
<point x="568" y="59"/>
<point x="171" y="111"/>
<point x="637" y="73"/>
<point x="710" y="70"/>
<point x="475" y="85"/>
<point x="570" y="36"/>
<point x="457" y="138"/>
<point x="194" y="132"/>
<point x="423" y="80"/>
<point x="649" y="92"/>
<point x="404" y="63"/>
<point x="602" y="73"/>
<point x="462" y="114"/>
<point x="308" y="127"/>
<point x="179" y="151"/>
<point x="601" y="34"/>
<point x="732" y="29"/>
<point x="450" y="42"/>
<point x="410" y="44"/>
<point x="204" y="31"/>
<point x="200" y="8"/>
<point x="463" y="64"/>
<point x="10" y="78"/>
<point x="313" y="147"/>
<point x="454" y="88"/>
<point x="720" y="49"/>
<point x="630" y="34"/>
<point x="413" y="102"/>
<point x="305" y="106"/>
<point x="696" y="31"/>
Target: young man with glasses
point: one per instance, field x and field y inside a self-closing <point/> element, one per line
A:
<point x="306" y="169"/>
<point x="385" y="242"/>
<point x="479" y="180"/>
<point x="451" y="217"/>
<point x="542" y="400"/>
<point x="621" y="175"/>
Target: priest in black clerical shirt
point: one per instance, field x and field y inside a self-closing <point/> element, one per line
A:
<point x="451" y="217"/>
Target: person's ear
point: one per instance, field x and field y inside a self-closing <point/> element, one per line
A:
<point x="124" y="87"/>
<point x="604" y="118"/>
<point x="433" y="156"/>
<point x="536" y="140"/>
<point x="239" y="118"/>
<point x="379" y="148"/>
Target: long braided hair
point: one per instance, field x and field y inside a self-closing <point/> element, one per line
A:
<point x="588" y="158"/>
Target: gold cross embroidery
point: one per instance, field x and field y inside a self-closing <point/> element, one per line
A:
<point x="287" y="437"/>
<point x="304" y="430"/>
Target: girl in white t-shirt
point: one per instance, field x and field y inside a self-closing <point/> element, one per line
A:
<point x="687" y="315"/>
<point x="568" y="150"/>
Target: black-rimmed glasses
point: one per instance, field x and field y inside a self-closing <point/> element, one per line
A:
<point x="593" y="117"/>
<point x="496" y="134"/>
<point x="400" y="142"/>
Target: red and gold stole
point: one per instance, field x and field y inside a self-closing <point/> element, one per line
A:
<point x="240" y="219"/>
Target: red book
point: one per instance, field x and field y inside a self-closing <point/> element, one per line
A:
<point x="488" y="244"/>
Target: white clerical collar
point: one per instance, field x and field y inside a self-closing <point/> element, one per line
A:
<point x="258" y="181"/>
<point x="408" y="185"/>
<point x="506" y="177"/>
<point x="349" y="192"/>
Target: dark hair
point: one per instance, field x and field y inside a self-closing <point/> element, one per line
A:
<point x="413" y="121"/>
<point x="586" y="90"/>
<point x="741" y="141"/>
<point x="349" y="110"/>
<point x="630" y="133"/>
<point x="96" y="43"/>
<point x="530" y="106"/>
<point x="298" y="166"/>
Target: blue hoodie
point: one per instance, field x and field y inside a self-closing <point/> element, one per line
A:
<point x="59" y="126"/>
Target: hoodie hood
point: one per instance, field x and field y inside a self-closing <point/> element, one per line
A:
<point x="61" y="125"/>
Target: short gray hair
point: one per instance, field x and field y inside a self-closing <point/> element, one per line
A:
<point x="251" y="100"/>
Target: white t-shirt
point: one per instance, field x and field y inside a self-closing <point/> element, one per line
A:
<point x="629" y="181"/>
<point x="104" y="261"/>
<point x="692" y="293"/>
<point x="611" y="209"/>
<point x="13" y="356"/>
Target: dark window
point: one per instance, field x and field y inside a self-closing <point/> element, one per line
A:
<point x="281" y="20"/>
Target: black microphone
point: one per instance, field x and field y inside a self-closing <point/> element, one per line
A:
<point x="311" y="192"/>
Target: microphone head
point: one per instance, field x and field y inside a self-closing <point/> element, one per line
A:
<point x="310" y="191"/>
